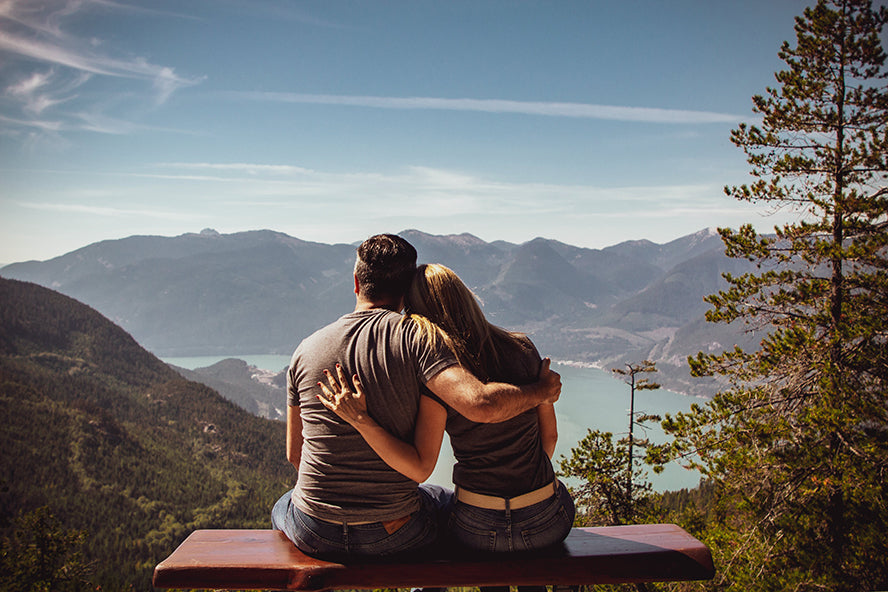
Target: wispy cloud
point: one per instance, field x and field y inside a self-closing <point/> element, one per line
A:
<point x="29" y="85"/>
<point x="83" y="121"/>
<point x="253" y="169"/>
<point x="47" y="66"/>
<point x="164" y="78"/>
<point x="419" y="190"/>
<point x="549" y="109"/>
<point x="53" y="126"/>
<point x="104" y="211"/>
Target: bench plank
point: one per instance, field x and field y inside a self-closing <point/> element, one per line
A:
<point x="267" y="560"/>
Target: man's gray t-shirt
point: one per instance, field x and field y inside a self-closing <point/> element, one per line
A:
<point x="340" y="477"/>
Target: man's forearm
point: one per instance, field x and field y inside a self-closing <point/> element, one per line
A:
<point x="499" y="401"/>
<point x="493" y="402"/>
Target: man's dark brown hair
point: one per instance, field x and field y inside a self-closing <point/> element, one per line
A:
<point x="385" y="267"/>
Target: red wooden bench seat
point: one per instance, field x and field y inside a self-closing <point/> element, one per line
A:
<point x="267" y="560"/>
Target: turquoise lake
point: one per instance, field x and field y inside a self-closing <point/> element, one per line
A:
<point x="590" y="399"/>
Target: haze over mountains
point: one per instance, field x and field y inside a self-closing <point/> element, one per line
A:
<point x="263" y="291"/>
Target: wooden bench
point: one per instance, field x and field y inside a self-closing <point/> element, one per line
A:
<point x="267" y="560"/>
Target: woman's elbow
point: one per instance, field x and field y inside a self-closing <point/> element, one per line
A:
<point x="294" y="456"/>
<point x="426" y="472"/>
<point x="420" y="475"/>
<point x="549" y="441"/>
<point x="421" y="470"/>
<point x="552" y="438"/>
<point x="549" y="448"/>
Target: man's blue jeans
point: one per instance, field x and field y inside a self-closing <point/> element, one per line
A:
<point x="534" y="527"/>
<point x="338" y="541"/>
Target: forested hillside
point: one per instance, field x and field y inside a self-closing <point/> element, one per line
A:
<point x="261" y="392"/>
<point x="112" y="442"/>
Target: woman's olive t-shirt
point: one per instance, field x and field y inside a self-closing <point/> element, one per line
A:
<point x="503" y="459"/>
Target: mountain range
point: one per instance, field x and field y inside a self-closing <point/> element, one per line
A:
<point x="263" y="291"/>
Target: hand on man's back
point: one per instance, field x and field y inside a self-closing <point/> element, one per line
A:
<point x="550" y="381"/>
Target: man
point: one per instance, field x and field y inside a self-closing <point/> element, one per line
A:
<point x="347" y="501"/>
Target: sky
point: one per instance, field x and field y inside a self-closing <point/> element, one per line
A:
<point x="589" y="122"/>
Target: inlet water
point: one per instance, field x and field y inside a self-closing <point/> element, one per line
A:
<point x="590" y="399"/>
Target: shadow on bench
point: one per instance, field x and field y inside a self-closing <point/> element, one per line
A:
<point x="267" y="560"/>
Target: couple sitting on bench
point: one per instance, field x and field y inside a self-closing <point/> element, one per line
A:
<point x="361" y="450"/>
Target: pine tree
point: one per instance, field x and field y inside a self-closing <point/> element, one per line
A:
<point x="798" y="440"/>
<point x="614" y="488"/>
<point x="630" y="376"/>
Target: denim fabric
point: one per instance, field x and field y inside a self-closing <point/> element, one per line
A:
<point x="337" y="541"/>
<point x="534" y="527"/>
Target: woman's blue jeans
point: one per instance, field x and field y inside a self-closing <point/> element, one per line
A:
<point x="533" y="527"/>
<point x="339" y="541"/>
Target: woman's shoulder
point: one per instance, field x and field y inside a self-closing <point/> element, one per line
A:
<point x="519" y="359"/>
<point x="521" y="343"/>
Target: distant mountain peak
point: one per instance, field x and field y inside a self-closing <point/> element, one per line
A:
<point x="209" y="232"/>
<point x="706" y="233"/>
<point x="463" y="239"/>
<point x="641" y="242"/>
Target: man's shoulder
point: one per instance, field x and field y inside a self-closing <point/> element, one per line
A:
<point x="345" y="326"/>
<point x="319" y="334"/>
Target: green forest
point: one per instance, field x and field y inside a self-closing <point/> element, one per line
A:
<point x="110" y="458"/>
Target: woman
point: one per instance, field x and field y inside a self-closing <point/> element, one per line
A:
<point x="507" y="497"/>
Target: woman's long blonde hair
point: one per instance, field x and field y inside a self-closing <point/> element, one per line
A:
<point x="439" y="301"/>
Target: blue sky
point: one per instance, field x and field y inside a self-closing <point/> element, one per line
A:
<point x="587" y="122"/>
